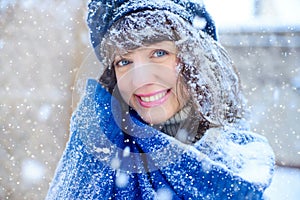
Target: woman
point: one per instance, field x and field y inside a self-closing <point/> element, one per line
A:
<point x="166" y="118"/>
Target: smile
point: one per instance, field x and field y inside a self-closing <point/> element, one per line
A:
<point x="151" y="100"/>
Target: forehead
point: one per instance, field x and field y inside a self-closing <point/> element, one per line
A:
<point x="164" y="45"/>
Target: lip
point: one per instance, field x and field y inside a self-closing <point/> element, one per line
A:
<point x="155" y="102"/>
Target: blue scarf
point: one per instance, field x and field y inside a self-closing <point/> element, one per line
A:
<point x="104" y="161"/>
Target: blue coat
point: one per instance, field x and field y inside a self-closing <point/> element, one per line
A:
<point x="103" y="162"/>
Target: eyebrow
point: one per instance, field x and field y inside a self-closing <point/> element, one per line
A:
<point x="122" y="56"/>
<point x="168" y="47"/>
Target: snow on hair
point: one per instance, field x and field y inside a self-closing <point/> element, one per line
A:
<point x="207" y="70"/>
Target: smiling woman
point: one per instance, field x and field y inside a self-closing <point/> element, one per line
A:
<point x="166" y="118"/>
<point x="142" y="84"/>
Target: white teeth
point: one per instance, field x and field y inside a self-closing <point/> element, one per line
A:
<point x="154" y="97"/>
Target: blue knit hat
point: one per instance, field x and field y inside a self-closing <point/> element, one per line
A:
<point x="103" y="14"/>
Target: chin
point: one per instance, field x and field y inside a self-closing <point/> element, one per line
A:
<point x="156" y="114"/>
<point x="153" y="116"/>
<point x="153" y="121"/>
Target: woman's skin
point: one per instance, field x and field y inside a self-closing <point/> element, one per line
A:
<point x="147" y="81"/>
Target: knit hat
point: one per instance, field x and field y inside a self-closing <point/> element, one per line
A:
<point x="206" y="68"/>
<point x="103" y="14"/>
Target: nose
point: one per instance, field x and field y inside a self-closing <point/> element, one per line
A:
<point x="143" y="73"/>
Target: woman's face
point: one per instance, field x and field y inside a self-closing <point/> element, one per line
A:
<point x="147" y="81"/>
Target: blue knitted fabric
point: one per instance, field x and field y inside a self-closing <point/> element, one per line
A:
<point x="102" y="14"/>
<point x="103" y="162"/>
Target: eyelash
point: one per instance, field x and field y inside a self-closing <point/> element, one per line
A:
<point x="122" y="65"/>
<point x="160" y="50"/>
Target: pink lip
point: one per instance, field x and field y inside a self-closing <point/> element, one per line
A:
<point x="152" y="103"/>
<point x="150" y="94"/>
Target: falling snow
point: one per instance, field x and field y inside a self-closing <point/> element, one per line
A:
<point x="43" y="44"/>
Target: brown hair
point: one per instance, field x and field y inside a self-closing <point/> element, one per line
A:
<point x="205" y="67"/>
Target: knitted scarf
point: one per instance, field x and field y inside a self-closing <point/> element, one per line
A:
<point x="101" y="161"/>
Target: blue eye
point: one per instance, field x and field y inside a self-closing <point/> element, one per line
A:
<point x="122" y="63"/>
<point x="160" y="53"/>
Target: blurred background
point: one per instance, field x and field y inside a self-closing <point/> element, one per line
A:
<point x="44" y="43"/>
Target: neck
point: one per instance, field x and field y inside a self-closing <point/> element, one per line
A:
<point x="182" y="126"/>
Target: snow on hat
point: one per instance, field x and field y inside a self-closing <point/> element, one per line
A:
<point x="206" y="67"/>
<point x="103" y="14"/>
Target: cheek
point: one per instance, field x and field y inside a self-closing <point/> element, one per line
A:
<point x="125" y="91"/>
<point x="171" y="78"/>
<point x="167" y="73"/>
<point x="123" y="83"/>
<point x="170" y="70"/>
<point x="181" y="91"/>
